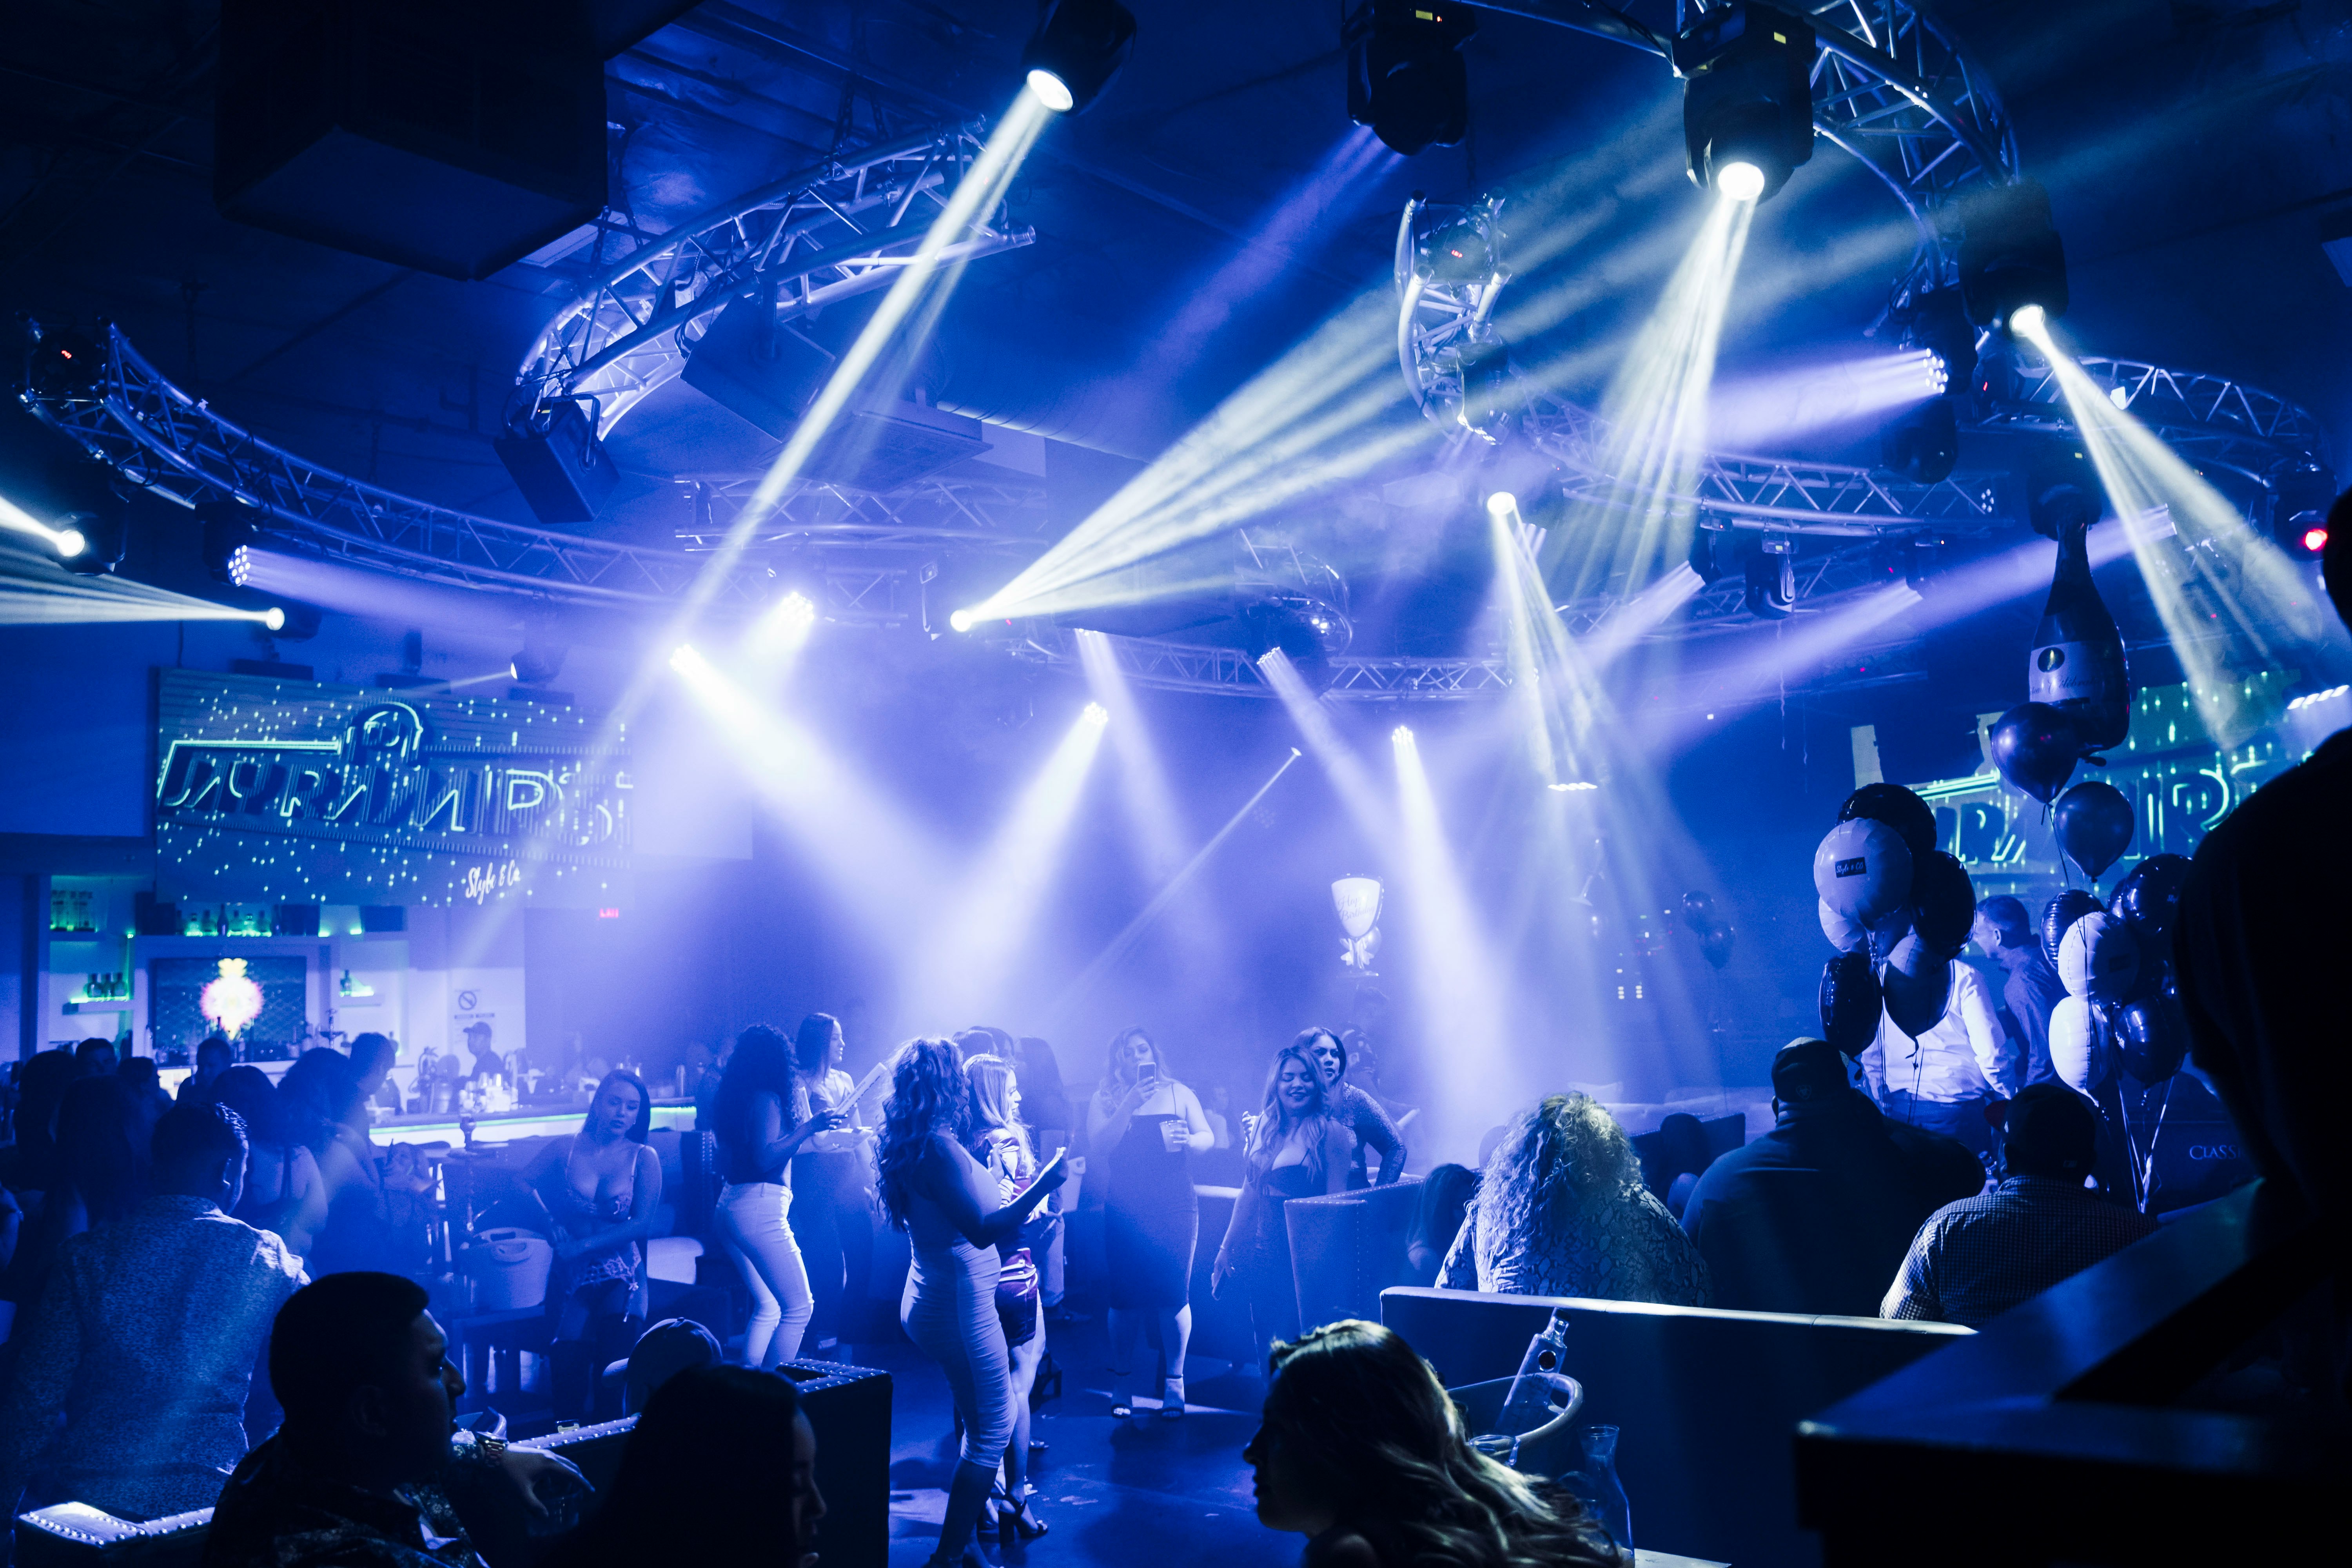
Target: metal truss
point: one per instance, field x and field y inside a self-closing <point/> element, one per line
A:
<point x="1440" y="317"/>
<point x="931" y="512"/>
<point x="160" y="438"/>
<point x="2209" y="420"/>
<point x="1226" y="671"/>
<point x="842" y="228"/>
<point x="1777" y="493"/>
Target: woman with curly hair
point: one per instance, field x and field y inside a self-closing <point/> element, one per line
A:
<point x="1561" y="1211"/>
<point x="947" y="1203"/>
<point x="1360" y="1451"/>
<point x="1296" y="1149"/>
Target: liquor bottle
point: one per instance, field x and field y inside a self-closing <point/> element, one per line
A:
<point x="2077" y="663"/>
<point x="1529" y="1405"/>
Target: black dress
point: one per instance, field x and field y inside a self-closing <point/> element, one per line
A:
<point x="1152" y="1220"/>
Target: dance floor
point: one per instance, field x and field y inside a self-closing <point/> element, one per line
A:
<point x="1142" y="1490"/>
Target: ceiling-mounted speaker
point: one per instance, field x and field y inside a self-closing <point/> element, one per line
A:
<point x="452" y="136"/>
<point x="769" y="372"/>
<point x="560" y="468"/>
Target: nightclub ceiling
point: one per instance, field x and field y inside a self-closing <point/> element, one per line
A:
<point x="1203" y="221"/>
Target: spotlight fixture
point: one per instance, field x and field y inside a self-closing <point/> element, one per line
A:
<point x="2011" y="257"/>
<point x="1405" y="75"/>
<point x="538" y="660"/>
<point x="1939" y="322"/>
<point x="71" y="542"/>
<point x="63" y="364"/>
<point x="1079" y="47"/>
<point x="1702" y="551"/>
<point x="2299" y="501"/>
<point x="274" y="618"/>
<point x="1747" y="101"/>
<point x="1401" y="734"/>
<point x="1489" y="395"/>
<point x="1770" y="569"/>
<point x="961" y="620"/>
<point x="1502" y="503"/>
<point x="297" y="621"/>
<point x="1097" y="714"/>
<point x="2312" y="538"/>
<point x="230" y="530"/>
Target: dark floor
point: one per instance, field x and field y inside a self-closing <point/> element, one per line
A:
<point x="1177" y="1490"/>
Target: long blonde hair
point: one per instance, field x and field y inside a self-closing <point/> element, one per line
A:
<point x="991" y="1077"/>
<point x="1122" y="1075"/>
<point x="1274" y="1124"/>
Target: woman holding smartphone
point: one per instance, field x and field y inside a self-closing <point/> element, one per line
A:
<point x="1147" y="1121"/>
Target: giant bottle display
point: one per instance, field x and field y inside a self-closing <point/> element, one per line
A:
<point x="2077" y="663"/>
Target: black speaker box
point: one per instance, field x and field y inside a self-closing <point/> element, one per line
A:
<point x="563" y="472"/>
<point x="849" y="1407"/>
<point x="768" y="373"/>
<point x="453" y="136"/>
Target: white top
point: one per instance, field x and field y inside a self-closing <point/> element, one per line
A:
<point x="1966" y="1056"/>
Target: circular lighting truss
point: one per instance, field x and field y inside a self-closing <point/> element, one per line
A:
<point x="2210" y="421"/>
<point x="158" y="437"/>
<point x="826" y="234"/>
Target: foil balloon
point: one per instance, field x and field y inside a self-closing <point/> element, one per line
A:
<point x="1844" y="935"/>
<point x="2077" y="1054"/>
<point x="2093" y="823"/>
<point x="1913" y="819"/>
<point x="1850" y="1001"/>
<point x="1943" y="902"/>
<point x="1917" y="982"/>
<point x="2077" y="663"/>
<point x="2149" y="898"/>
<point x="2035" y="747"/>
<point x="1715" y="942"/>
<point x="2152" y="1037"/>
<point x="1863" y="870"/>
<point x="2099" y="959"/>
<point x="2060" y="913"/>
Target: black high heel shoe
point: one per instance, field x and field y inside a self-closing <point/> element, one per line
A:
<point x="1013" y="1520"/>
<point x="1048" y="1384"/>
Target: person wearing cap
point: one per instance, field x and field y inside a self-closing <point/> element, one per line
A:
<point x="1814" y="1216"/>
<point x="1975" y="1259"/>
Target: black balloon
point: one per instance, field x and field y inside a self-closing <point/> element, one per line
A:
<point x="1699" y="912"/>
<point x="2035" y="746"/>
<point x="2152" y="1037"/>
<point x="2060" y="913"/>
<point x="1913" y="819"/>
<point x="1850" y="1001"/>
<point x="1944" y="902"/>
<point x="1716" y="943"/>
<point x="2149" y="898"/>
<point x="2093" y="823"/>
<point x="1917" y="986"/>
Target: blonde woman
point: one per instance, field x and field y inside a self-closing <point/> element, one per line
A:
<point x="1296" y="1149"/>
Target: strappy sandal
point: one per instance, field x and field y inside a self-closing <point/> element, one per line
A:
<point x="1013" y="1520"/>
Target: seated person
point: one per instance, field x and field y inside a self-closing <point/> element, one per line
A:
<point x="154" y="1399"/>
<point x="1445" y="1196"/>
<point x="351" y="1479"/>
<point x="1360" y="1451"/>
<point x="1975" y="1259"/>
<point x="1561" y="1211"/>
<point x="699" y="1479"/>
<point x="1816" y="1214"/>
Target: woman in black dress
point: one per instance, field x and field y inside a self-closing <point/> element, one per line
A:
<point x="1296" y="1149"/>
<point x="1144" y="1122"/>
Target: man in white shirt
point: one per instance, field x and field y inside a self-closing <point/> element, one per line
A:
<point x="1946" y="1079"/>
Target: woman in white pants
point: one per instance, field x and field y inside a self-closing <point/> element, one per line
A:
<point x="762" y="1117"/>
<point x="947" y="1203"/>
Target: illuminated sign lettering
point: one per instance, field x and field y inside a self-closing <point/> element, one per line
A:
<point x="305" y="793"/>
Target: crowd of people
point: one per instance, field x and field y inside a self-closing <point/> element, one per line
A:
<point x="301" y="1387"/>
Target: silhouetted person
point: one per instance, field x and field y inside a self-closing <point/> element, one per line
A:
<point x="721" y="1468"/>
<point x="214" y="1057"/>
<point x="371" y="1059"/>
<point x="94" y="1058"/>
<point x="30" y="1164"/>
<point x="1816" y="1214"/>
<point x="1446" y="1194"/>
<point x="102" y="1134"/>
<point x="146" y="1084"/>
<point x="2032" y="989"/>
<point x="147" y="1335"/>
<point x="2259" y="949"/>
<point x="1975" y="1259"/>
<point x="351" y="1479"/>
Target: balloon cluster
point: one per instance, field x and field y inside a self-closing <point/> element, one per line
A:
<point x="1714" y="933"/>
<point x="2116" y="963"/>
<point x="1897" y="909"/>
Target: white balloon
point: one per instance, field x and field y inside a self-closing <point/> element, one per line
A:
<point x="1845" y="935"/>
<point x="1862" y="871"/>
<point x="2076" y="1052"/>
<point x="2099" y="958"/>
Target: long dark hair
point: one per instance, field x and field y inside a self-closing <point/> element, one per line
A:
<point x="812" y="1042"/>
<point x="1566" y="1150"/>
<point x="320" y="1094"/>
<point x="928" y="1097"/>
<point x="1274" y="1122"/>
<point x="761" y="1064"/>
<point x="641" y="1128"/>
<point x="1308" y="1036"/>
<point x="247" y="1090"/>
<point x="1378" y="1441"/>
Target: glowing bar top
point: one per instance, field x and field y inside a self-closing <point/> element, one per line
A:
<point x="674" y="1115"/>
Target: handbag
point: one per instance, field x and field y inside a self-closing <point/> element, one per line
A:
<point x="1017" y="1298"/>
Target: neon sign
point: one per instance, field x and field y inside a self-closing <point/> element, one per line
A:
<point x="305" y="793"/>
